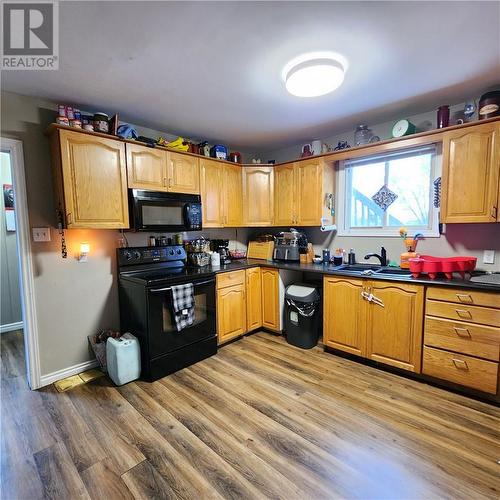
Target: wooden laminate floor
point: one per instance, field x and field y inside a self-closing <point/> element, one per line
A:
<point x="260" y="419"/>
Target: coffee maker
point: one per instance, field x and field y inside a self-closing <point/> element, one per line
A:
<point x="222" y="248"/>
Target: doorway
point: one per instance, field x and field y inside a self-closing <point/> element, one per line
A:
<point x="18" y="332"/>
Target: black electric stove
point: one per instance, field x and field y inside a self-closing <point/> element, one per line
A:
<point x="146" y="276"/>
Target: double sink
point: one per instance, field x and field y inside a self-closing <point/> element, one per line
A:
<point x="373" y="270"/>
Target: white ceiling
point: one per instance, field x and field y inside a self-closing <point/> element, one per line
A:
<point x="212" y="69"/>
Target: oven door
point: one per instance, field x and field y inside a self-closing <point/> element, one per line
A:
<point x="156" y="211"/>
<point x="163" y="335"/>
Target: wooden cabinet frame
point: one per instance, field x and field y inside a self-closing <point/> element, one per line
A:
<point x="389" y="331"/>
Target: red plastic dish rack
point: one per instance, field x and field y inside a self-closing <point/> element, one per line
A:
<point x="427" y="264"/>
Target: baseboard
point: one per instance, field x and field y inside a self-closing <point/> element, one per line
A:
<point x="10" y="327"/>
<point x="50" y="378"/>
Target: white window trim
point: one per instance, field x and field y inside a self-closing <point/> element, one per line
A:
<point x="340" y="197"/>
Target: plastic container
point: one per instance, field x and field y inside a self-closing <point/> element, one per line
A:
<point x="302" y="315"/>
<point x="427" y="264"/>
<point x="123" y="357"/>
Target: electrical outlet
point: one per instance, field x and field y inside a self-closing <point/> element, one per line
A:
<point x="41" y="234"/>
<point x="489" y="257"/>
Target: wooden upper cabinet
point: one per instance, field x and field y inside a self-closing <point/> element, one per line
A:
<point x="394" y="330"/>
<point x="258" y="196"/>
<point x="146" y="167"/>
<point x="284" y="195"/>
<point x="91" y="180"/>
<point x="233" y="196"/>
<point x="471" y="165"/>
<point x="309" y="192"/>
<point x="254" y="298"/>
<point x="344" y="314"/>
<point x="211" y="193"/>
<point x="183" y="173"/>
<point x="270" y="280"/>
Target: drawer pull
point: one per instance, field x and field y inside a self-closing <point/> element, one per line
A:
<point x="462" y="332"/>
<point x="463" y="313"/>
<point x="466" y="298"/>
<point x="460" y="364"/>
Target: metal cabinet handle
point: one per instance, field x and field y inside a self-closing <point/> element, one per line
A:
<point x="464" y="297"/>
<point x="494" y="212"/>
<point x="460" y="364"/>
<point x="164" y="182"/>
<point x="170" y="182"/>
<point x="463" y="313"/>
<point x="69" y="218"/>
<point x="462" y="332"/>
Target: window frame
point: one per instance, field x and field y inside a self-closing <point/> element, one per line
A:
<point x="343" y="225"/>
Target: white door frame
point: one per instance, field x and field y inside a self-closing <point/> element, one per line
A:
<point x="30" y="325"/>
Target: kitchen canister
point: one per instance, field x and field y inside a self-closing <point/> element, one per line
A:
<point x="101" y="122"/>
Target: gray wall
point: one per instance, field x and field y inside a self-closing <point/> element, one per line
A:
<point x="459" y="239"/>
<point x="10" y="298"/>
<point x="73" y="300"/>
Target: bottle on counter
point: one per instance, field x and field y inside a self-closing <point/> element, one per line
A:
<point x="352" y="257"/>
<point x="152" y="241"/>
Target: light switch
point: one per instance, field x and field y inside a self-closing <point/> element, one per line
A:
<point x="41" y="234"/>
<point x="489" y="257"/>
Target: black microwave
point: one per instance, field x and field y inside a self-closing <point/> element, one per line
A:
<point x="156" y="211"/>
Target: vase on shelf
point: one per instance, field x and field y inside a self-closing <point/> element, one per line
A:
<point x="411" y="246"/>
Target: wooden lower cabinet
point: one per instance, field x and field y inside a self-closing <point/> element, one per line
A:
<point x="344" y="315"/>
<point x="270" y="299"/>
<point x="231" y="312"/>
<point x="390" y="333"/>
<point x="394" y="330"/>
<point x="254" y="298"/>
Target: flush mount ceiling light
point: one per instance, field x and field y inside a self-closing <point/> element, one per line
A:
<point x="314" y="74"/>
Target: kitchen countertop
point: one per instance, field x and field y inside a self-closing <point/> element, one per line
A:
<point x="333" y="271"/>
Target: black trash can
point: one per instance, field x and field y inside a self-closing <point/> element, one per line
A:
<point x="302" y="315"/>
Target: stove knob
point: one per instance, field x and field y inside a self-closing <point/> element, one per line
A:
<point x="179" y="251"/>
<point x="171" y="252"/>
<point x="137" y="255"/>
<point x="127" y="255"/>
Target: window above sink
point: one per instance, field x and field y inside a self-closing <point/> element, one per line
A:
<point x="405" y="180"/>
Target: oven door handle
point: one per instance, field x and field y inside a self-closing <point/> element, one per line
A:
<point x="168" y="288"/>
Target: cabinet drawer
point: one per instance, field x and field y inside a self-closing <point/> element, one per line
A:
<point x="464" y="370"/>
<point x="230" y="279"/>
<point x="465" y="338"/>
<point x="466" y="297"/>
<point x="471" y="314"/>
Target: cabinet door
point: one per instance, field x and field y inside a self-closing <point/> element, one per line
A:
<point x="183" y="174"/>
<point x="95" y="181"/>
<point x="211" y="193"/>
<point x="233" y="196"/>
<point x="270" y="299"/>
<point x="284" y="195"/>
<point x="254" y="298"/>
<point x="146" y="167"/>
<point x="394" y="330"/>
<point x="309" y="192"/>
<point x="344" y="315"/>
<point x="231" y="312"/>
<point x="470" y="174"/>
<point x="258" y="196"/>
